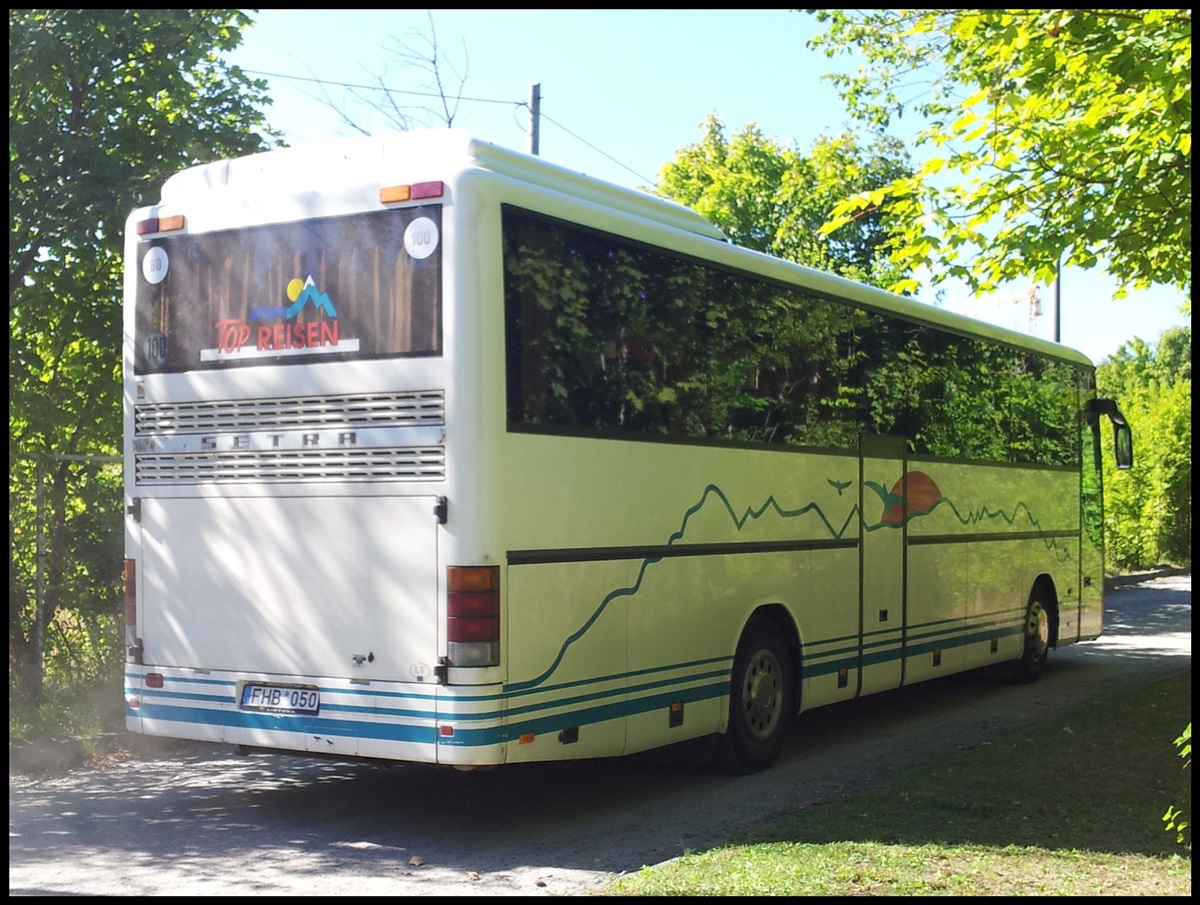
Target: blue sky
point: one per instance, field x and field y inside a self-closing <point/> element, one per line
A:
<point x="621" y="92"/>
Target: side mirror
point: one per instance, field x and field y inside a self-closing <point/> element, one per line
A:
<point x="1123" y="442"/>
<point x="1122" y="435"/>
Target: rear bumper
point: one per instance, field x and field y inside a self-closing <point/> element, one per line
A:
<point x="403" y="721"/>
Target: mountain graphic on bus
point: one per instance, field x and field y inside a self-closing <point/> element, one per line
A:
<point x="300" y="292"/>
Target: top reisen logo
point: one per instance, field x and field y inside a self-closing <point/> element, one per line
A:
<point x="275" y="331"/>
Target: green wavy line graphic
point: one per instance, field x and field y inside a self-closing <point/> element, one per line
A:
<point x="753" y="514"/>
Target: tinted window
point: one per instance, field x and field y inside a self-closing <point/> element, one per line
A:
<point x="607" y="336"/>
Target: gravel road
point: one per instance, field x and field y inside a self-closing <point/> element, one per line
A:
<point x="203" y="820"/>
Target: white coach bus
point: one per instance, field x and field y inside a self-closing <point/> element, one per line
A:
<point x="436" y="452"/>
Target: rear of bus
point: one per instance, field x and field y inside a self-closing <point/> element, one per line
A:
<point x="291" y="579"/>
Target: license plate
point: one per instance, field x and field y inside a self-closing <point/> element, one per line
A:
<point x="302" y="699"/>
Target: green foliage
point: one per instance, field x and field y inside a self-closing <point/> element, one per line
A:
<point x="103" y="105"/>
<point x="773" y="198"/>
<point x="79" y="564"/>
<point x="1070" y="131"/>
<point x="1175" y="819"/>
<point x="1148" y="510"/>
<point x="80" y="710"/>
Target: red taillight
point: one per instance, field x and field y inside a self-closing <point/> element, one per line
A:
<point x="461" y="629"/>
<point x="133" y="647"/>
<point x="473" y="615"/>
<point x="389" y="194"/>
<point x="130" y="600"/>
<point x="428" y="189"/>
<point x="473" y="603"/>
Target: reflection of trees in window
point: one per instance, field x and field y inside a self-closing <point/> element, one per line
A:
<point x="962" y="398"/>
<point x="600" y="336"/>
<point x="773" y="363"/>
<point x="608" y="336"/>
<point x="1091" y="480"/>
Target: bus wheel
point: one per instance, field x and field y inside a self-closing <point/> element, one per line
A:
<point x="761" y="695"/>
<point x="1037" y="636"/>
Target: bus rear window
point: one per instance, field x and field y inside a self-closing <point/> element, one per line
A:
<point x="330" y="289"/>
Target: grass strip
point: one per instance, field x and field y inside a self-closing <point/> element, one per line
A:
<point x="1073" y="807"/>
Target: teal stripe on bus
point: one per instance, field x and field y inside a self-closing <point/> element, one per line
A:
<point x="579" y="718"/>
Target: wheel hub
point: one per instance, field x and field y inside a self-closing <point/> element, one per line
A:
<point x="763" y="696"/>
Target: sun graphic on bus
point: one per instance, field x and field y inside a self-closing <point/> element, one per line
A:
<point x="301" y="292"/>
<point x="923" y="495"/>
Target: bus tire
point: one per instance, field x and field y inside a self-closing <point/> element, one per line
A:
<point x="761" y="696"/>
<point x="1036" y="636"/>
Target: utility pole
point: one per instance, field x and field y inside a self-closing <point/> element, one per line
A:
<point x="535" y="112"/>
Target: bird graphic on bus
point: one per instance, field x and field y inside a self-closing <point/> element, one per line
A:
<point x="839" y="486"/>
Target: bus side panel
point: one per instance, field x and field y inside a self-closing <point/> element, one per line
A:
<point x="828" y="619"/>
<point x="938" y="626"/>
<point x="679" y="655"/>
<point x="567" y="634"/>
<point x="988" y="532"/>
<point x="661" y="553"/>
<point x="883" y="546"/>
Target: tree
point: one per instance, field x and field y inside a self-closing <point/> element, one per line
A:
<point x="422" y="52"/>
<point x="103" y="106"/>
<point x="1148" y="514"/>
<point x="1070" y="130"/>
<point x="773" y="198"/>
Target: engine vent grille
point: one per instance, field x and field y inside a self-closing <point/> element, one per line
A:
<point x="352" y="438"/>
<point x="293" y="413"/>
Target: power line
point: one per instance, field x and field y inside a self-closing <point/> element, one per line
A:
<point x="598" y="151"/>
<point x="386" y="90"/>
<point x="476" y="100"/>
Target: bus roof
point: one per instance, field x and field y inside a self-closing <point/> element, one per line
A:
<point x="436" y="152"/>
<point x="352" y="164"/>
